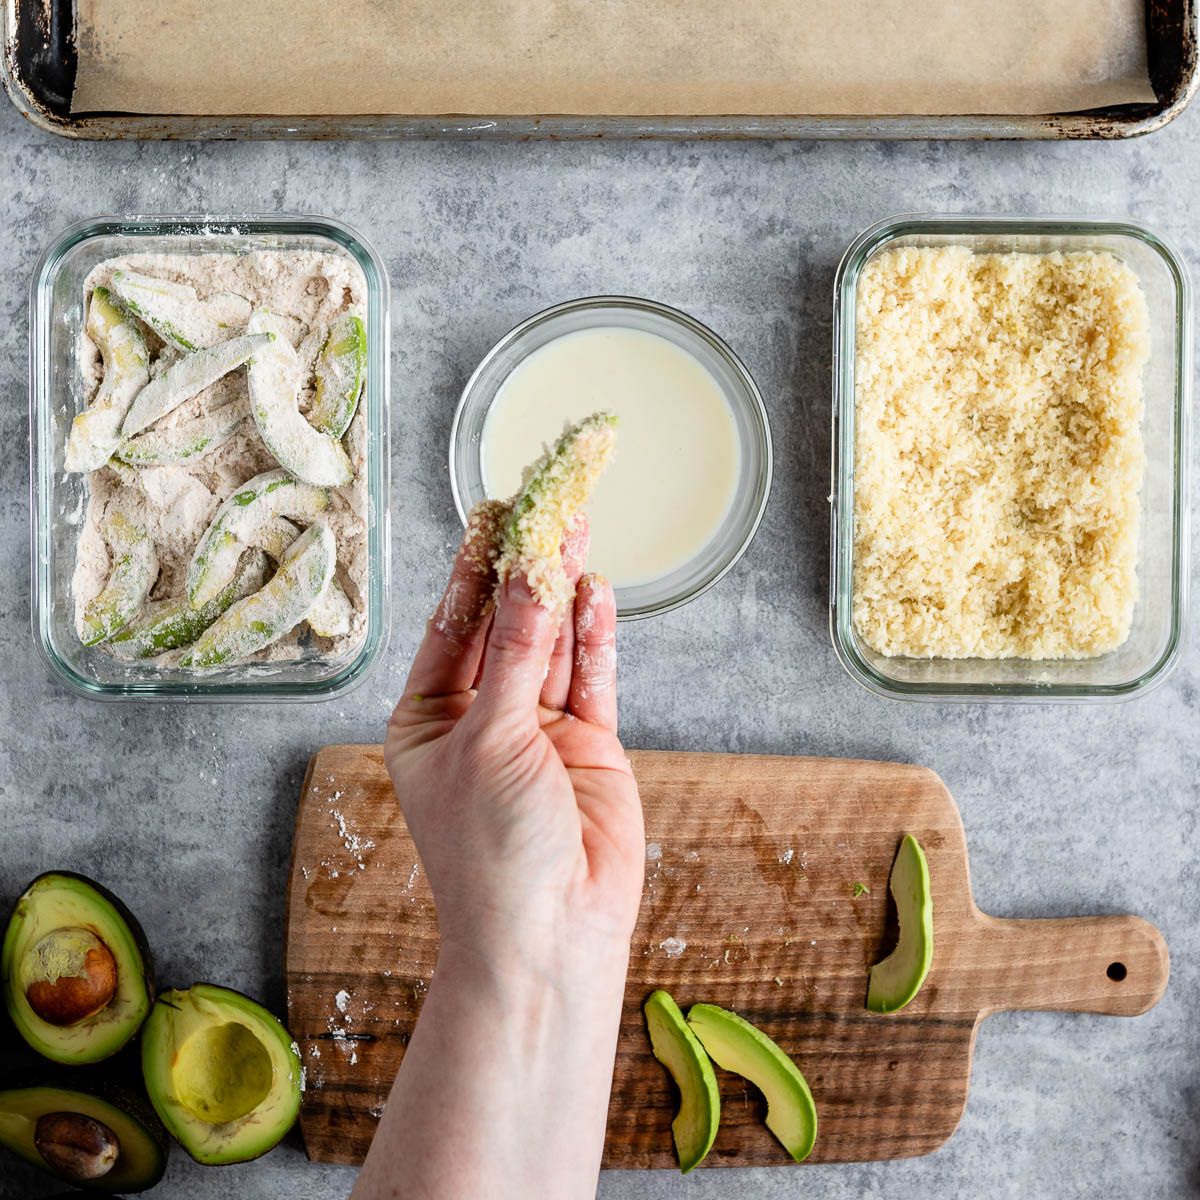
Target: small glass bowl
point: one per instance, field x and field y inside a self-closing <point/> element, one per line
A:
<point x="58" y="499"/>
<point x="753" y="487"/>
<point x="1156" y="638"/>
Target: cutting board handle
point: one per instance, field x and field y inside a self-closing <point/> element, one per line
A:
<point x="1116" y="965"/>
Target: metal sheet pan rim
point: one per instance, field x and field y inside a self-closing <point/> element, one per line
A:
<point x="1110" y="124"/>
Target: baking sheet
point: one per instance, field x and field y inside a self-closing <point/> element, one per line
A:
<point x="612" y="57"/>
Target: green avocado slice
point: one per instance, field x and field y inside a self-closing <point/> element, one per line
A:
<point x="84" y="1131"/>
<point x="898" y="978"/>
<point x="222" y="1073"/>
<point x="55" y="912"/>
<point x="736" y="1045"/>
<point x="675" y="1046"/>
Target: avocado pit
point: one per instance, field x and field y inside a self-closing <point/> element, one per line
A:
<point x="70" y="975"/>
<point x="75" y="1147"/>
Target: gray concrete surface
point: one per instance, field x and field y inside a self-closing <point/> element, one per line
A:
<point x="187" y="812"/>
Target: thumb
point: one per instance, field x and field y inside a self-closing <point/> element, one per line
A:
<point x="518" y="652"/>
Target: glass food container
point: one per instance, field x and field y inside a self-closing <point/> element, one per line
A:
<point x="737" y="528"/>
<point x="1157" y="635"/>
<point x="59" y="500"/>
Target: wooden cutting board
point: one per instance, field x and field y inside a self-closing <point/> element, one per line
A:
<point x="749" y="903"/>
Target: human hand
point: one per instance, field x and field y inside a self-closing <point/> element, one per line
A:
<point x="504" y="754"/>
<point x="523" y="807"/>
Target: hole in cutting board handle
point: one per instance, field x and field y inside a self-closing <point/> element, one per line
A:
<point x="1116" y="971"/>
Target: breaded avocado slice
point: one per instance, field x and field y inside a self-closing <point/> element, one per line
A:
<point x="96" y="432"/>
<point x="554" y="489"/>
<point x="222" y="1072"/>
<point x="677" y="1048"/>
<point x="130" y="578"/>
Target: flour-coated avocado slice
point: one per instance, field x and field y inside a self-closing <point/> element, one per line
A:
<point x="188" y="377"/>
<point x="333" y="613"/>
<point x="898" y="978"/>
<point x="238" y="522"/>
<point x="736" y="1045"/>
<point x="164" y="625"/>
<point x="341" y="370"/>
<point x="274" y="380"/>
<point x="176" y="313"/>
<point x="188" y="441"/>
<point x="676" y="1047"/>
<point x="96" y="432"/>
<point x="222" y="1072"/>
<point x="133" y="570"/>
<point x="75" y="969"/>
<point x="85" y="1130"/>
<point x="263" y="617"/>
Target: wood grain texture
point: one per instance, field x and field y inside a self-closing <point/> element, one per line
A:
<point x="752" y="862"/>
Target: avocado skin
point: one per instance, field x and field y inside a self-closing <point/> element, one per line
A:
<point x="116" y="1082"/>
<point x="133" y="924"/>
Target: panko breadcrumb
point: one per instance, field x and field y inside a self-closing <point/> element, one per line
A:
<point x="998" y="453"/>
<point x="553" y="490"/>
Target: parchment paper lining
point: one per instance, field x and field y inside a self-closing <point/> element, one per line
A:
<point x="609" y="57"/>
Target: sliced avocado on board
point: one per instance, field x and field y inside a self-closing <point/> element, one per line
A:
<point x="677" y="1048"/>
<point x="75" y="969"/>
<point x="87" y="1132"/>
<point x="222" y="1073"/>
<point x="736" y="1045"/>
<point x="896" y="979"/>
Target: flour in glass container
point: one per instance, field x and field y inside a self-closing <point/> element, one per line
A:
<point x="309" y="290"/>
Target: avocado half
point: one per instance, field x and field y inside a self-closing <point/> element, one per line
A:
<point x="898" y="978"/>
<point x="96" y="1136"/>
<point x="736" y="1045"/>
<point x="675" y="1046"/>
<point x="222" y="1072"/>
<point x="75" y="969"/>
